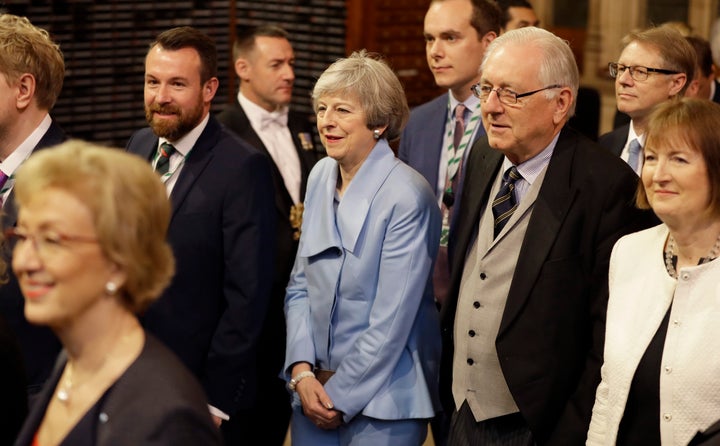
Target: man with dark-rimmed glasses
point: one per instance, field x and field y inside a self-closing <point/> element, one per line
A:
<point x="656" y="64"/>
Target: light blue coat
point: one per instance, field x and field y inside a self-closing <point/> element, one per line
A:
<point x="360" y="299"/>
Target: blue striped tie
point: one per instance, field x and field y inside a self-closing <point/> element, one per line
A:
<point x="505" y="202"/>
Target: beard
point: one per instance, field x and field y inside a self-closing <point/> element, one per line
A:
<point x="174" y="129"/>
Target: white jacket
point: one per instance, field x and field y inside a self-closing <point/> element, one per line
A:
<point x="641" y="291"/>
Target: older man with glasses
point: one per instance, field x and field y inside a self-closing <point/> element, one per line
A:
<point x="656" y="64"/>
<point x="540" y="211"/>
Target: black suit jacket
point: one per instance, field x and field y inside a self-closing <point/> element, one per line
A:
<point x="156" y="401"/>
<point x="39" y="345"/>
<point x="272" y="353"/>
<point x="708" y="437"/>
<point x="716" y="96"/>
<point x="615" y="140"/>
<point x="222" y="234"/>
<point x="551" y="335"/>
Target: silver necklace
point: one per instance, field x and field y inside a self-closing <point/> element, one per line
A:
<point x="671" y="257"/>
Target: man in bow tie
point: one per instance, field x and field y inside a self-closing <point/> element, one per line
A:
<point x="264" y="61"/>
<point x="222" y="225"/>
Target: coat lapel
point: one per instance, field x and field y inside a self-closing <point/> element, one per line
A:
<point x="353" y="208"/>
<point x="556" y="195"/>
<point x="355" y="204"/>
<point x="197" y="160"/>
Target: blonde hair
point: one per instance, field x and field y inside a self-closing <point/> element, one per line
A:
<point x="26" y="48"/>
<point x="129" y="207"/>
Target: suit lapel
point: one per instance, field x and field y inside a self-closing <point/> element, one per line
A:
<point x="196" y="161"/>
<point x="54" y="136"/>
<point x="551" y="206"/>
<point x="482" y="166"/>
<point x="355" y="205"/>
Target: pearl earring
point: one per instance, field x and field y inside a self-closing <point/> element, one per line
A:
<point x="376" y="133"/>
<point x="111" y="288"/>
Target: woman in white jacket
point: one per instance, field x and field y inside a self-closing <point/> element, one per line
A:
<point x="662" y="363"/>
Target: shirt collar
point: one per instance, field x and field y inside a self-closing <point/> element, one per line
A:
<point x="258" y="116"/>
<point x="186" y="143"/>
<point x="531" y="168"/>
<point x="632" y="134"/>
<point x="23" y="151"/>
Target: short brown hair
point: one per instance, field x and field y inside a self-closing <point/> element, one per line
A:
<point x="245" y="40"/>
<point x="129" y="207"/>
<point x="26" y="48"/>
<point x="188" y="37"/>
<point x="697" y="122"/>
<point x="486" y="16"/>
<point x="676" y="52"/>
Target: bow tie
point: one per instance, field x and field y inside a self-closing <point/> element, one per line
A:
<point x="275" y="118"/>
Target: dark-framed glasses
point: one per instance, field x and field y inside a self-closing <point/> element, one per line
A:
<point x="505" y="95"/>
<point x="46" y="243"/>
<point x="637" y="72"/>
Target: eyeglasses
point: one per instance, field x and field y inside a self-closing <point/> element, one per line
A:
<point x="505" y="96"/>
<point x="637" y="72"/>
<point x="46" y="244"/>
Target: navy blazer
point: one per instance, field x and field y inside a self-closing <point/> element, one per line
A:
<point x="222" y="234"/>
<point x="38" y="344"/>
<point x="421" y="143"/>
<point x="155" y="401"/>
<point x="550" y="340"/>
<point x="615" y="140"/>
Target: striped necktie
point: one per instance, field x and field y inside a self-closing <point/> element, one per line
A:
<point x="163" y="163"/>
<point x="505" y="202"/>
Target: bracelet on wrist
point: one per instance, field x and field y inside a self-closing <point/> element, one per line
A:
<point x="299" y="377"/>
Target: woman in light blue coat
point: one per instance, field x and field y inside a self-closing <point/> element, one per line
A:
<point x="363" y="341"/>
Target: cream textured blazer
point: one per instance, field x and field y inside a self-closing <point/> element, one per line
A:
<point x="641" y="291"/>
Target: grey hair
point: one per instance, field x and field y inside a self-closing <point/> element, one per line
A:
<point x="558" y="65"/>
<point x="368" y="78"/>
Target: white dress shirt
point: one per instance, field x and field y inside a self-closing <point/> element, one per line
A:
<point x="274" y="133"/>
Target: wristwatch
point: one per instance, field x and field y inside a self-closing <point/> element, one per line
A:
<point x="299" y="377"/>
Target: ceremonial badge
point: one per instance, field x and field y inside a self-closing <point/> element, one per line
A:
<point x="296" y="218"/>
<point x="305" y="141"/>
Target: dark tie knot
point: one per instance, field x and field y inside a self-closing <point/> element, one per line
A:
<point x="166" y="150"/>
<point x="511" y="175"/>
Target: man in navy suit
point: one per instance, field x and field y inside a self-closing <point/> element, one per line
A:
<point x="656" y="64"/>
<point x="32" y="70"/>
<point x="456" y="35"/>
<point x="264" y="61"/>
<point x="222" y="226"/>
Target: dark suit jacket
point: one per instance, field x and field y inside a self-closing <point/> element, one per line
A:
<point x="234" y="118"/>
<point x="551" y="336"/>
<point x="156" y="401"/>
<point x="615" y="140"/>
<point x="421" y="143"/>
<point x="708" y="437"/>
<point x="221" y="232"/>
<point x="14" y="401"/>
<point x="39" y="345"/>
<point x="716" y="96"/>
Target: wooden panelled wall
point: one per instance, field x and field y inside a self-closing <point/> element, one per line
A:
<point x="105" y="41"/>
